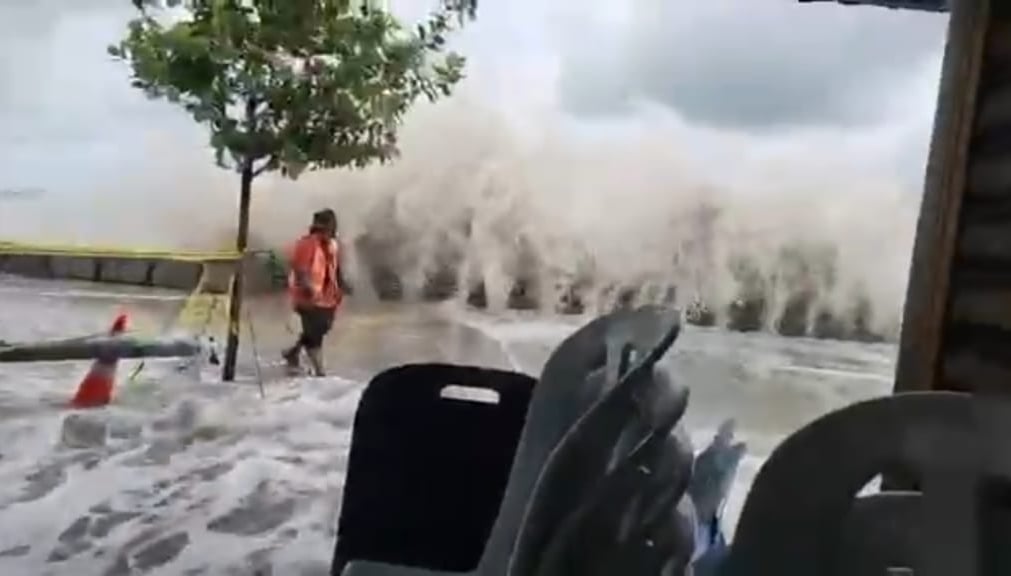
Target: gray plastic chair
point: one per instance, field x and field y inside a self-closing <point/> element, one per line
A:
<point x="881" y="531"/>
<point x="598" y="412"/>
<point x="798" y="518"/>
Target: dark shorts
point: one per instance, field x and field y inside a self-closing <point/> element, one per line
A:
<point x="316" y="324"/>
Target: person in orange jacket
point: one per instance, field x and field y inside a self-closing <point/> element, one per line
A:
<point x="316" y="287"/>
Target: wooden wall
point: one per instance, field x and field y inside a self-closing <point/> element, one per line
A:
<point x="957" y="325"/>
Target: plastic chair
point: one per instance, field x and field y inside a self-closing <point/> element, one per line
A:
<point x="799" y="517"/>
<point x="431" y="451"/>
<point x="880" y="532"/>
<point x="597" y="410"/>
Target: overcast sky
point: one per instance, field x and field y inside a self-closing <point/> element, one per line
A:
<point x="773" y="73"/>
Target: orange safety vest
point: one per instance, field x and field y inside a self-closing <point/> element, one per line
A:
<point x="310" y="257"/>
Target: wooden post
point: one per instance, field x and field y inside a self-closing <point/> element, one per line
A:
<point x="927" y="296"/>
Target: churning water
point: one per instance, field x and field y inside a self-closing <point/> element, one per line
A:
<point x="187" y="475"/>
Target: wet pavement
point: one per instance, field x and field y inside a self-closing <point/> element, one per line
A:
<point x="188" y="475"/>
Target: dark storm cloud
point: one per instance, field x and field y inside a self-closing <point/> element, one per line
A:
<point x="750" y="63"/>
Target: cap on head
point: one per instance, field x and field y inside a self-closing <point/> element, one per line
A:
<point x="325" y="218"/>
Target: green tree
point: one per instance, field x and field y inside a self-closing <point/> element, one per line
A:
<point x="290" y="85"/>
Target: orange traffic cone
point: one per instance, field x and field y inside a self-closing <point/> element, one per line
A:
<point x="95" y="389"/>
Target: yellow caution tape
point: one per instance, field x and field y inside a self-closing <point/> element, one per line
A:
<point x="13" y="248"/>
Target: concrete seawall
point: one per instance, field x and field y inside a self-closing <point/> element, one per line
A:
<point x="207" y="277"/>
<point x="180" y="270"/>
<point x="134" y="271"/>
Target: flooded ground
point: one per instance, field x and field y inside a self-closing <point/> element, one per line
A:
<point x="188" y="475"/>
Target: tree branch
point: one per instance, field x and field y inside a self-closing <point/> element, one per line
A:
<point x="266" y="166"/>
<point x="298" y="88"/>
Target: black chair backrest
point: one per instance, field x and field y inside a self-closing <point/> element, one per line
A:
<point x="427" y="468"/>
<point x="958" y="447"/>
<point x="575" y="387"/>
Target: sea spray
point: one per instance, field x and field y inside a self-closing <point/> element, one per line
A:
<point x="510" y="201"/>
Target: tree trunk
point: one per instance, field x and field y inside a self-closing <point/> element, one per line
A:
<point x="235" y="303"/>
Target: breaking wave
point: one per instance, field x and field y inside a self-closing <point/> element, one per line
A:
<point x="555" y="215"/>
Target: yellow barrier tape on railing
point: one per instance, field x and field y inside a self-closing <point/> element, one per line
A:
<point x="13" y="248"/>
<point x="205" y="312"/>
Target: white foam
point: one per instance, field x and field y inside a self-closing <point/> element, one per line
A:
<point x="240" y="474"/>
